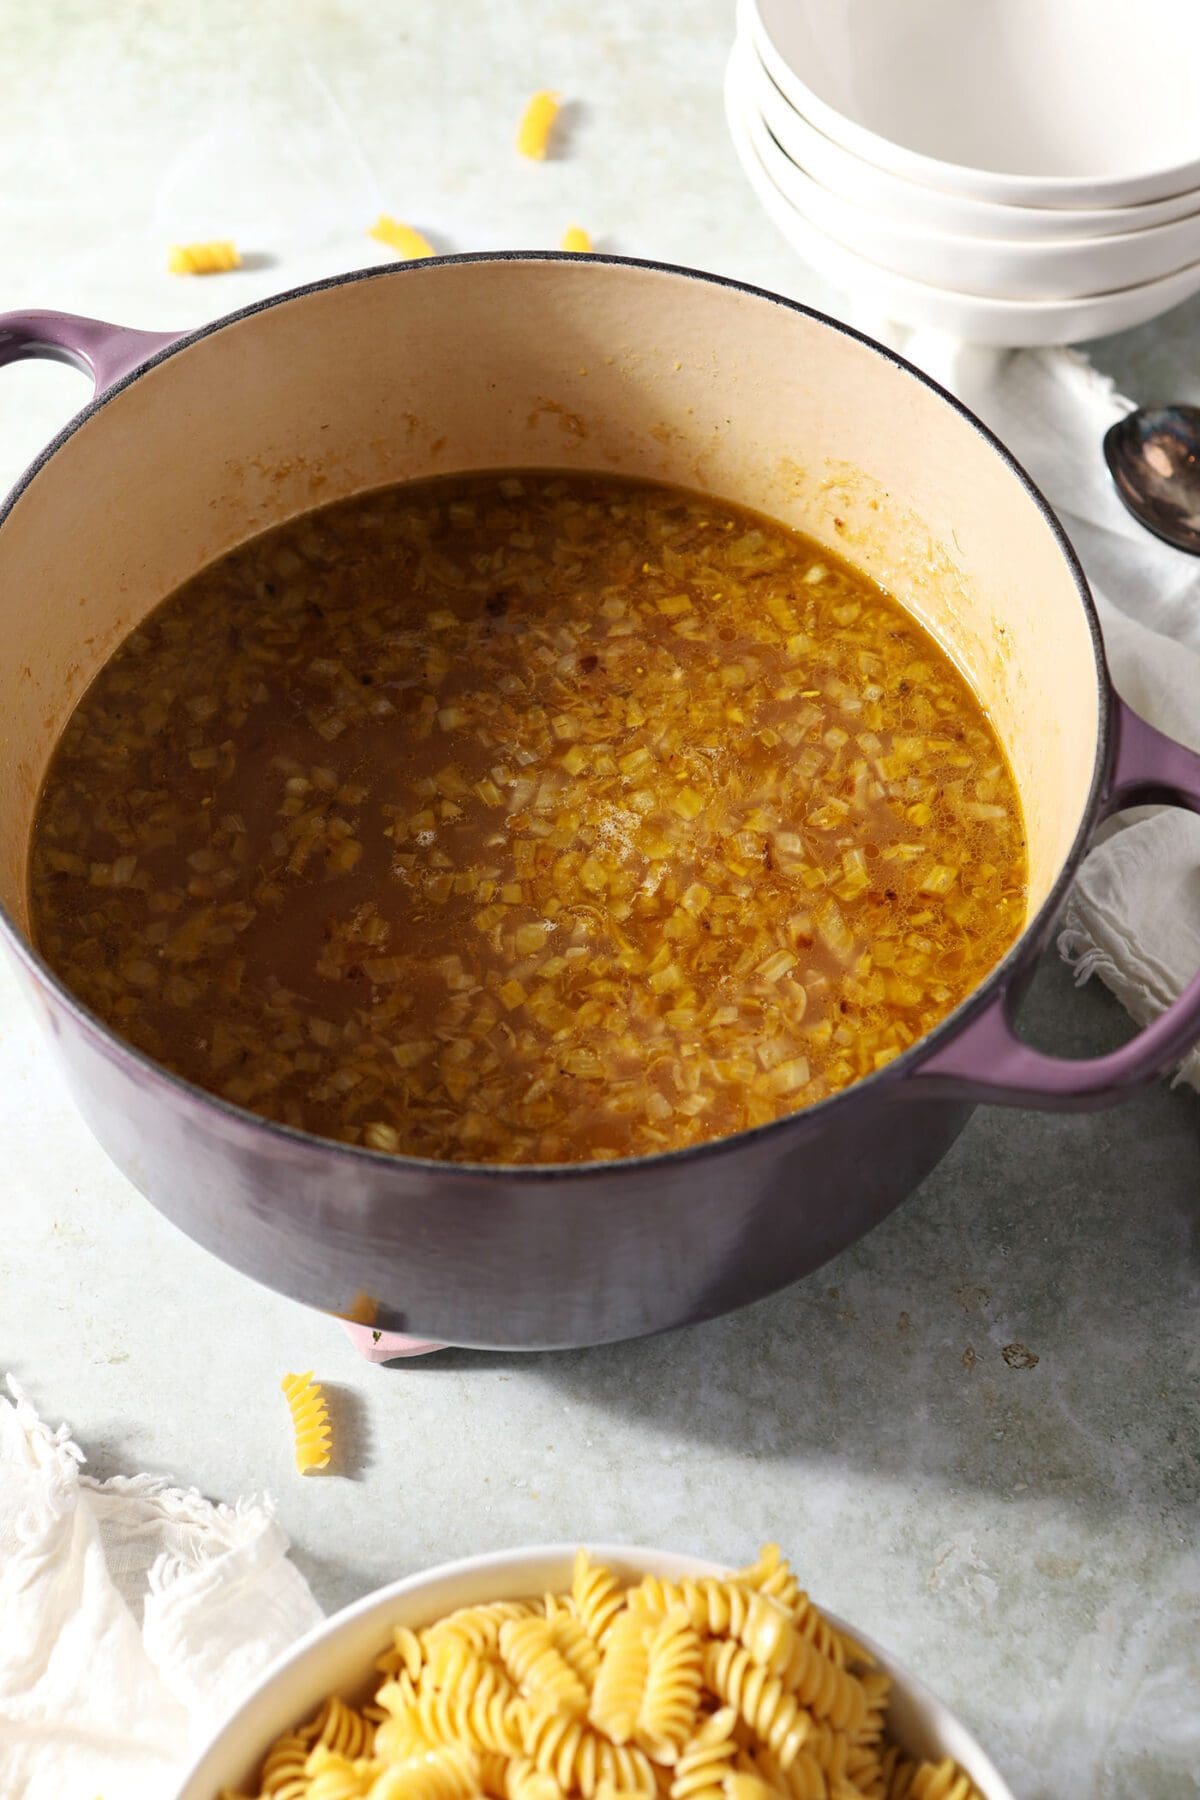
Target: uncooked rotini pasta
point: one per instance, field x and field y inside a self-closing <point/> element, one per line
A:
<point x="530" y="1654"/>
<point x="721" y="1688"/>
<point x="766" y="1708"/>
<point x="214" y="258"/>
<point x="464" y="1700"/>
<point x="597" y="1596"/>
<point x="576" y="239"/>
<point x="774" y="1644"/>
<point x="405" y="240"/>
<point x="807" y="1778"/>
<point x="405" y="1657"/>
<point x="310" y="1422"/>
<point x="573" y="1642"/>
<point x="621" y="1683"/>
<point x="332" y="1776"/>
<point x="446" y="1772"/>
<point x="772" y="1576"/>
<point x="717" y="1608"/>
<point x="284" y="1773"/>
<point x="338" y="1728"/>
<point x="929" y="1781"/>
<point x="707" y="1758"/>
<point x="537" y="122"/>
<point x="478" y="1626"/>
<point x="582" y="1759"/>
<point x="671" y="1696"/>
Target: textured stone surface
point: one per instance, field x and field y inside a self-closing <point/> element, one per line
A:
<point x="1023" y="1532"/>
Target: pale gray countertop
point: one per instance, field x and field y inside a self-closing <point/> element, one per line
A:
<point x="1025" y="1537"/>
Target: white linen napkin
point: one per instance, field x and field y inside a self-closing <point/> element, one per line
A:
<point x="1133" y="916"/>
<point x="134" y="1616"/>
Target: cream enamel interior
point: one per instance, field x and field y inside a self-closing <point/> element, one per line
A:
<point x="590" y="365"/>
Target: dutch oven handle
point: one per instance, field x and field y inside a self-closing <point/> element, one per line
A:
<point x="105" y="352"/>
<point x="986" y="1061"/>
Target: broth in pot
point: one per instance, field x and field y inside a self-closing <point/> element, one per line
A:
<point x="527" y="818"/>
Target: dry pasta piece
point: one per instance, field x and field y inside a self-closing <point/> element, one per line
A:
<point x="877" y="1689"/>
<point x="580" y="1758"/>
<point x="855" y="1655"/>
<point x="477" y="1705"/>
<point x="742" y="1785"/>
<point x="310" y="1421"/>
<point x="284" y="1775"/>
<point x="362" y="1310"/>
<point x="772" y="1575"/>
<point x="525" y="1781"/>
<point x="332" y="1776"/>
<point x="485" y="1708"/>
<point x="537" y="122"/>
<point x="449" y="1662"/>
<point x="405" y="240"/>
<point x="576" y="239"/>
<point x="597" y="1595"/>
<point x="574" y="1644"/>
<point x="863" y="1770"/>
<point x="762" y="1701"/>
<point x="339" y="1728"/>
<point x="214" y="258"/>
<point x="706" y="1759"/>
<point x="396" y="1695"/>
<point x="671" y="1699"/>
<point x="478" y="1626"/>
<point x="776" y="1646"/>
<point x="493" y="1774"/>
<point x="449" y="1772"/>
<point x="531" y="1656"/>
<point x="402" y="1731"/>
<point x="892" y="1767"/>
<point x="406" y="1656"/>
<point x="805" y="1778"/>
<point x="817" y="1769"/>
<point x="932" y="1781"/>
<point x="621" y="1684"/>
<point x="715" y="1607"/>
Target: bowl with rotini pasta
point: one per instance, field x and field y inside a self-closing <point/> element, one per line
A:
<point x="610" y="1673"/>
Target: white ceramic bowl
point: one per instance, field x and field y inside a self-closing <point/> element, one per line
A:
<point x="847" y="175"/>
<point x="1008" y="269"/>
<point x="1032" y="102"/>
<point x="976" y="319"/>
<point x="337" y="1657"/>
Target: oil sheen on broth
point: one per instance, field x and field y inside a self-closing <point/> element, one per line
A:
<point x="530" y="818"/>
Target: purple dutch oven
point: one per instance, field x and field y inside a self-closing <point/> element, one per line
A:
<point x="193" y="444"/>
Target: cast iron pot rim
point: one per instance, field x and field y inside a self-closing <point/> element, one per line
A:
<point x="902" y="1066"/>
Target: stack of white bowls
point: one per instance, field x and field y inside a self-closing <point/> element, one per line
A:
<point x="1012" y="171"/>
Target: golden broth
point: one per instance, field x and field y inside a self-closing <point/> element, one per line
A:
<point x="529" y="818"/>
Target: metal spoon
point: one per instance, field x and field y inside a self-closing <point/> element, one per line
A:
<point x="1153" y="456"/>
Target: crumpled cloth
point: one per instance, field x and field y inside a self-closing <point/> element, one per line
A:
<point x="1133" y="915"/>
<point x="133" y="1616"/>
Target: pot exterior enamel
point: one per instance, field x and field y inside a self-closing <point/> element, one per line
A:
<point x="589" y="363"/>
<point x="504" y="1259"/>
